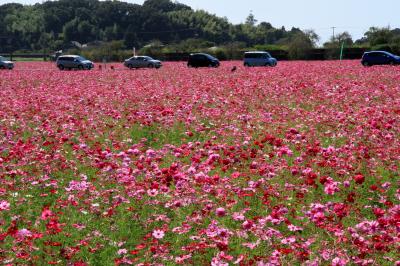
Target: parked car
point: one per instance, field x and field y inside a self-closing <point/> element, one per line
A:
<point x="6" y="64"/>
<point x="73" y="61"/>
<point x="142" y="62"/>
<point x="202" y="60"/>
<point x="259" y="58"/>
<point x="379" y="58"/>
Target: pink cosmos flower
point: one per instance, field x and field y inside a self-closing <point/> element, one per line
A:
<point x="339" y="262"/>
<point x="220" y="212"/>
<point x="294" y="228"/>
<point x="247" y="224"/>
<point x="77" y="186"/>
<point x="4" y="205"/>
<point x="158" y="234"/>
<point x="46" y="214"/>
<point x="23" y="233"/>
<point x="152" y="192"/>
<point x="122" y="251"/>
<point x="331" y="188"/>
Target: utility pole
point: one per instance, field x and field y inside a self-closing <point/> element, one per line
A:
<point x="333" y="34"/>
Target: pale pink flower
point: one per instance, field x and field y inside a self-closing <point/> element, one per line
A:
<point x="158" y="234"/>
<point x="122" y="251"/>
<point x="338" y="262"/>
<point x="23" y="233"/>
<point x="294" y="228"/>
<point x="152" y="192"/>
<point x="4" y="205"/>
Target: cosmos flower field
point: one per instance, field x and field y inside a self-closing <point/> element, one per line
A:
<point x="293" y="165"/>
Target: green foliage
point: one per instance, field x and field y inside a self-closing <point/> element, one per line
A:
<point x="300" y="46"/>
<point x="383" y="39"/>
<point x="26" y="23"/>
<point x="269" y="47"/>
<point x="53" y="25"/>
<point x="111" y="52"/>
<point x="152" y="49"/>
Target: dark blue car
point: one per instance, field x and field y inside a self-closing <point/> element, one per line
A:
<point x="379" y="58"/>
<point x="202" y="60"/>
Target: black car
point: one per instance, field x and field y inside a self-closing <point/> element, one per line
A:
<point x="379" y="58"/>
<point x="202" y="60"/>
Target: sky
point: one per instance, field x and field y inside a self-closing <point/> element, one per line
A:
<point x="354" y="16"/>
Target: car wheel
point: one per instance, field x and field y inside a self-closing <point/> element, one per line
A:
<point x="61" y="67"/>
<point x="130" y="66"/>
<point x="150" y="66"/>
<point x="392" y="63"/>
<point x="80" y="67"/>
<point x="246" y="65"/>
<point x="2" y="67"/>
<point x="365" y="63"/>
<point x="273" y="64"/>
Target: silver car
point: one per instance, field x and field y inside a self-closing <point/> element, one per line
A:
<point x="142" y="62"/>
<point x="5" y="64"/>
<point x="73" y="61"/>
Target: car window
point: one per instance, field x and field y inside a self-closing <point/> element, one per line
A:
<point x="257" y="55"/>
<point x="209" y="57"/>
<point x="2" y="58"/>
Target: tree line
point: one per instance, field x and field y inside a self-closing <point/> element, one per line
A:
<point x="166" y="25"/>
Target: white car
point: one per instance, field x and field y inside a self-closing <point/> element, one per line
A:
<point x="5" y="64"/>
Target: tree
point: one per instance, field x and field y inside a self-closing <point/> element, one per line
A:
<point x="300" y="46"/>
<point x="312" y="36"/>
<point x="340" y="38"/>
<point x="376" y="36"/>
<point x="94" y="21"/>
<point x="70" y="30"/>
<point x="345" y="38"/>
<point x="85" y="31"/>
<point x="26" y="24"/>
<point x="251" y="20"/>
